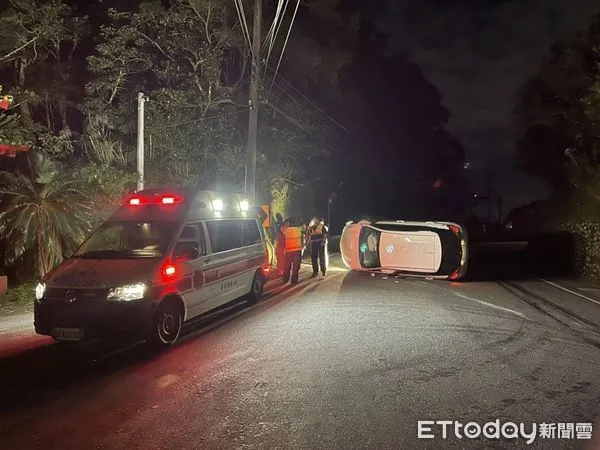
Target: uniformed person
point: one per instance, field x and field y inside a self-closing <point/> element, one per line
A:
<point x="280" y="251"/>
<point x="317" y="234"/>
<point x="293" y="251"/>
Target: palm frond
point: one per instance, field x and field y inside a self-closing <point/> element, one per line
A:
<point x="45" y="214"/>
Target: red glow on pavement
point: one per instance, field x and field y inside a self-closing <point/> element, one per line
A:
<point x="17" y="343"/>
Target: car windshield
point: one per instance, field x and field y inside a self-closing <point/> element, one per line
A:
<point x="124" y="240"/>
<point x="369" y="248"/>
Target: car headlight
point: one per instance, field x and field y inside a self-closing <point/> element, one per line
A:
<point x="127" y="293"/>
<point x="39" y="291"/>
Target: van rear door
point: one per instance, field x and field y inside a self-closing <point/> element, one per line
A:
<point x="418" y="251"/>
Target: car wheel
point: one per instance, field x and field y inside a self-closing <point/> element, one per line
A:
<point x="258" y="285"/>
<point x="166" y="325"/>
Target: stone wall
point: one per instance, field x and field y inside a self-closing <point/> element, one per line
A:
<point x="586" y="249"/>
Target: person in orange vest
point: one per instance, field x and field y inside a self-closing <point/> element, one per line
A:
<point x="293" y="251"/>
<point x="280" y="252"/>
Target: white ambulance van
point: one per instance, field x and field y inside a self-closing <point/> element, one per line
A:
<point x="164" y="257"/>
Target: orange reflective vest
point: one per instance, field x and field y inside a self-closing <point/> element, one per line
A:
<point x="293" y="239"/>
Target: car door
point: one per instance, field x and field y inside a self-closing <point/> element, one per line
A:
<point x="195" y="298"/>
<point x="226" y="261"/>
<point x="236" y="252"/>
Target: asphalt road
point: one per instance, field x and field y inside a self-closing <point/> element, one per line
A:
<point x="350" y="361"/>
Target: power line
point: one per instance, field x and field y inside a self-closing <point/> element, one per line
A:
<point x="276" y="33"/>
<point x="307" y="99"/>
<point x="294" y="120"/>
<point x="203" y="119"/>
<point x="286" y="41"/>
<point x="274" y="29"/>
<point x="239" y="6"/>
<point x="304" y="107"/>
<point x="300" y="117"/>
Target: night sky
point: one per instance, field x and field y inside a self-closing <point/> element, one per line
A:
<point x="479" y="53"/>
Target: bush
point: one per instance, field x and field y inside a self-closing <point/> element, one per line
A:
<point x="18" y="299"/>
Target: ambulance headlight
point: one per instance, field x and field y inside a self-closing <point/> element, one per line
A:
<point x="127" y="293"/>
<point x="39" y="291"/>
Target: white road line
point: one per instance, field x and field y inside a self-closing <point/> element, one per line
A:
<point x="570" y="291"/>
<point x="491" y="305"/>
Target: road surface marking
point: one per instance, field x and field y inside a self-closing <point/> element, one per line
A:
<point x="491" y="305"/>
<point x="577" y="294"/>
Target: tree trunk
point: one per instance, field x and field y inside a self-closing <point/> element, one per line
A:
<point x="21" y="65"/>
<point x="40" y="255"/>
<point x="62" y="110"/>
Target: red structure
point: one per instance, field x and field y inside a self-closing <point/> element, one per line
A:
<point x="12" y="150"/>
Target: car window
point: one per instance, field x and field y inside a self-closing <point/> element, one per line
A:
<point x="117" y="240"/>
<point x="369" y="248"/>
<point x="224" y="235"/>
<point x="230" y="234"/>
<point x="194" y="233"/>
<point x="250" y="233"/>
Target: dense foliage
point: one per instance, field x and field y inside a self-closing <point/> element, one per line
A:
<point x="558" y="113"/>
<point x="75" y="69"/>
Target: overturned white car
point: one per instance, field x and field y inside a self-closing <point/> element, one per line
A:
<point x="426" y="249"/>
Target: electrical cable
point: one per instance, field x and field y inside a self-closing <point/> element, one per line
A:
<point x="286" y="41"/>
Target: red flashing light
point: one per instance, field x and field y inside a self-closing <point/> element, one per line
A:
<point x="168" y="199"/>
<point x="454" y="229"/>
<point x="168" y="272"/>
<point x="171" y="199"/>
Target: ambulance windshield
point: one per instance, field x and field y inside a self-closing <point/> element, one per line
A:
<point x="124" y="240"/>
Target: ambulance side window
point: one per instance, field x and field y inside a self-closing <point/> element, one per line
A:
<point x="194" y="233"/>
<point x="250" y="233"/>
<point x="224" y="235"/>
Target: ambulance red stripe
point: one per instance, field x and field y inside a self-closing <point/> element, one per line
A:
<point x="213" y="275"/>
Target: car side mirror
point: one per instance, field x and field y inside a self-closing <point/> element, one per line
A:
<point x="186" y="250"/>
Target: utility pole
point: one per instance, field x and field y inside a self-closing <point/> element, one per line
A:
<point x="140" y="141"/>
<point x="253" y="103"/>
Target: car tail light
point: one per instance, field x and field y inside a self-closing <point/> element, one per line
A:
<point x="454" y="275"/>
<point x="134" y="201"/>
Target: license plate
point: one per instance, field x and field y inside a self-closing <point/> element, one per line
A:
<point x="67" y="334"/>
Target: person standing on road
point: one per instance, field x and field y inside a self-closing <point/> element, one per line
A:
<point x="293" y="251"/>
<point x="317" y="233"/>
<point x="280" y="251"/>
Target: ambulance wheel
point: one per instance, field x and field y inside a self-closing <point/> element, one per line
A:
<point x="258" y="285"/>
<point x="167" y="324"/>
